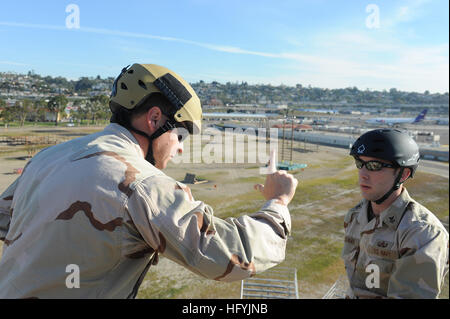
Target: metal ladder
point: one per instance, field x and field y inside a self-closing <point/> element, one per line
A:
<point x="275" y="283"/>
<point x="338" y="289"/>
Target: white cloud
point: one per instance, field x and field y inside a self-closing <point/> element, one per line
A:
<point x="377" y="59"/>
<point x="340" y="59"/>
<point x="402" y="14"/>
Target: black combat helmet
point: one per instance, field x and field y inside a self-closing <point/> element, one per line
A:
<point x="391" y="145"/>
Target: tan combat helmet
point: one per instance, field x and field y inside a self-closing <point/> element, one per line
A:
<point x="136" y="83"/>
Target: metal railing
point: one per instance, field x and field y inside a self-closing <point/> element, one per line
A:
<point x="338" y="289"/>
<point x="275" y="283"/>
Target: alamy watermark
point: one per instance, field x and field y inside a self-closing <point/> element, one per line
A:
<point x="373" y="19"/>
<point x="230" y="146"/>
<point x="373" y="279"/>
<point x="73" y="19"/>
<point x="73" y="279"/>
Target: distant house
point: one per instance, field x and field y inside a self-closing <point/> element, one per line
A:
<point x="50" y="116"/>
<point x="10" y="102"/>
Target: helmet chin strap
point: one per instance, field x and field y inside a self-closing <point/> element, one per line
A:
<point x="149" y="156"/>
<point x="396" y="186"/>
<point x="123" y="120"/>
<point x="169" y="125"/>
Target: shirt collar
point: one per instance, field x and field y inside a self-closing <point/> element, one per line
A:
<point x="125" y="134"/>
<point x="362" y="216"/>
<point x="392" y="215"/>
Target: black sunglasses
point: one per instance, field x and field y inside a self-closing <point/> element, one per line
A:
<point x="372" y="165"/>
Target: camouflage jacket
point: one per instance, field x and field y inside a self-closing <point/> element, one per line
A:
<point x="402" y="253"/>
<point x="92" y="209"/>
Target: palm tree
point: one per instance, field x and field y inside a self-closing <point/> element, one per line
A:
<point x="57" y="104"/>
<point x="98" y="107"/>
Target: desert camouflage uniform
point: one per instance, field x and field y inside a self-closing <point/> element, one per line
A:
<point x="407" y="243"/>
<point x="96" y="203"/>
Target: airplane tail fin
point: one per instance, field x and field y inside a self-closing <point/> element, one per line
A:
<point x="421" y="116"/>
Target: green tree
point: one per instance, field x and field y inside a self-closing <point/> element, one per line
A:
<point x="57" y="104"/>
<point x="98" y="108"/>
<point x="7" y="114"/>
<point x="77" y="113"/>
<point x="40" y="107"/>
<point x="83" y="84"/>
<point x="23" y="109"/>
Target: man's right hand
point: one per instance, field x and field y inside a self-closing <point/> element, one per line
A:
<point x="279" y="185"/>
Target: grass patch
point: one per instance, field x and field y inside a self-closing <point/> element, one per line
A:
<point x="314" y="256"/>
<point x="434" y="196"/>
<point x="159" y="288"/>
<point x="161" y="285"/>
<point x="320" y="188"/>
<point x="338" y="163"/>
<point x="238" y="207"/>
<point x="252" y="179"/>
<point x="213" y="176"/>
<point x="313" y="269"/>
<point x="209" y="289"/>
<point x="234" y="206"/>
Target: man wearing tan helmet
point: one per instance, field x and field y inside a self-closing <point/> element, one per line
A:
<point x="87" y="218"/>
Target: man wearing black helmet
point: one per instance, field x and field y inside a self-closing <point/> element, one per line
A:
<point x="87" y="218"/>
<point x="394" y="247"/>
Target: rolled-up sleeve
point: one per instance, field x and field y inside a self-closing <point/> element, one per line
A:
<point x="187" y="232"/>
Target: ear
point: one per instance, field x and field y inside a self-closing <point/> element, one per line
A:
<point x="405" y="175"/>
<point x="153" y="118"/>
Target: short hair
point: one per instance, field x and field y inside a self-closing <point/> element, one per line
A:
<point x="154" y="99"/>
<point x="125" y="117"/>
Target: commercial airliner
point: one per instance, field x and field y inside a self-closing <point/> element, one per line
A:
<point x="395" y="121"/>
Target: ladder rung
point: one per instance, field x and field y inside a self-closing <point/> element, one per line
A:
<point x="271" y="291"/>
<point x="267" y="285"/>
<point x="267" y="279"/>
<point x="265" y="297"/>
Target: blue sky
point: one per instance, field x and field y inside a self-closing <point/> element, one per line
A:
<point x="328" y="44"/>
